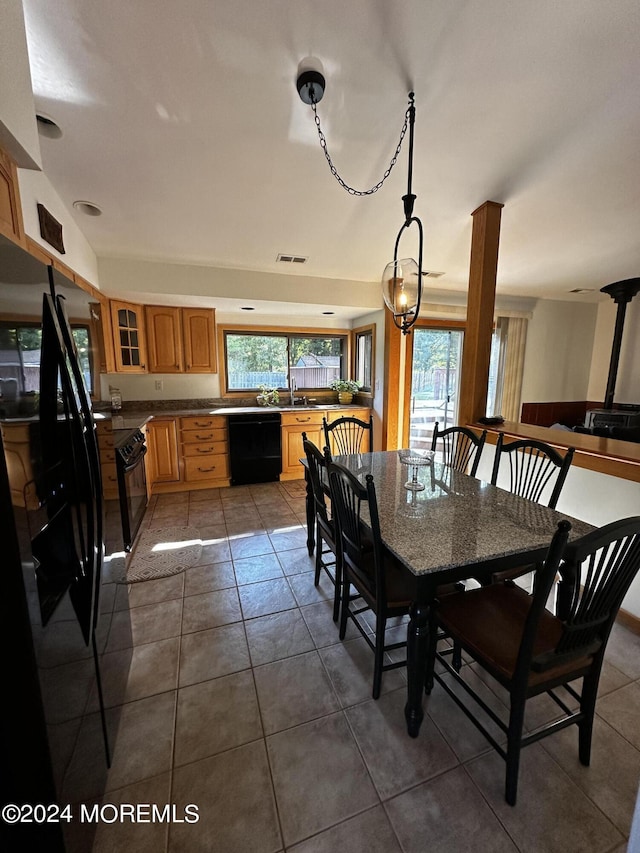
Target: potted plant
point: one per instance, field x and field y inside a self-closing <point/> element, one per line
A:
<point x="268" y="396"/>
<point x="346" y="388"/>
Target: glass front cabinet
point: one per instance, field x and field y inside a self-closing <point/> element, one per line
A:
<point x="127" y="321"/>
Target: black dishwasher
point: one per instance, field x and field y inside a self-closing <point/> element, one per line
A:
<point x="254" y="448"/>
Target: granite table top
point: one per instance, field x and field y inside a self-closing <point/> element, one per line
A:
<point x="457" y="521"/>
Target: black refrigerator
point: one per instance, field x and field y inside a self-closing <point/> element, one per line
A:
<point x="58" y="598"/>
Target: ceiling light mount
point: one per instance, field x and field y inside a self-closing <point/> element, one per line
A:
<point x="88" y="208"/>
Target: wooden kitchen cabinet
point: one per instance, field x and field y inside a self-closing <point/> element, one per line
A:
<point x="205" y="449"/>
<point x="129" y="347"/>
<point x="106" y="447"/>
<point x="10" y="209"/>
<point x="16" y="438"/>
<point x="162" y="443"/>
<point x="103" y="336"/>
<point x="180" y="340"/>
<point x="199" y="338"/>
<point x="164" y="339"/>
<point x="293" y="425"/>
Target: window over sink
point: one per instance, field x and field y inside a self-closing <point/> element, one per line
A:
<point x="284" y="360"/>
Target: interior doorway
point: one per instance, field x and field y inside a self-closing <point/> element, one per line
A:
<point x="435" y="362"/>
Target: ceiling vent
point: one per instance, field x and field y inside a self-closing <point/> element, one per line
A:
<point x="582" y="290"/>
<point x="291" y="259"/>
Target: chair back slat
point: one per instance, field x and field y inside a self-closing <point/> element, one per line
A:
<point x="360" y="548"/>
<point x="535" y="469"/>
<point x="316" y="463"/>
<point x="459" y="447"/>
<point x="348" y="434"/>
<point x="601" y="567"/>
<point x="602" y="580"/>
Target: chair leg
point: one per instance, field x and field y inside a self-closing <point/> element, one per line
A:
<point x="514" y="739"/>
<point x="456" y="659"/>
<point x="381" y="624"/>
<point x="431" y="653"/>
<point x="588" y="708"/>
<point x="337" y="588"/>
<point x="344" y="604"/>
<point x="316" y="579"/>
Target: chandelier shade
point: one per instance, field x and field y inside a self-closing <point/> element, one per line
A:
<point x="401" y="287"/>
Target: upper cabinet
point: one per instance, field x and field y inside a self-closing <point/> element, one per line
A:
<point x="127" y="321"/>
<point x="164" y="336"/>
<point x="199" y="335"/>
<point x="10" y="210"/>
<point x="181" y="340"/>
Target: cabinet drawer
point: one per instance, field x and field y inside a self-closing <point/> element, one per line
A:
<point x="205" y="447"/>
<point x="302" y="418"/>
<point x="104" y="427"/>
<point x="213" y="467"/>
<point x="197" y="436"/>
<point x="107" y="455"/>
<point x="106" y="442"/>
<point x="109" y="477"/>
<point x="204" y="422"/>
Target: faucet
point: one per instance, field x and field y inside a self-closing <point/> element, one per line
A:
<point x="293" y="388"/>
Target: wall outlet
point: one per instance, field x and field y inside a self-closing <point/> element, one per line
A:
<point x="159" y="384"/>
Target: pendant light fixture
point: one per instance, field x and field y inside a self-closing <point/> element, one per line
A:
<point x="402" y="279"/>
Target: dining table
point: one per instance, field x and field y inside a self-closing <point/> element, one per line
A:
<point x="444" y="526"/>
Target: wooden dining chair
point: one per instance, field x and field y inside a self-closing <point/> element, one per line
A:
<point x="459" y="447"/>
<point x="537" y="472"/>
<point x="326" y="546"/>
<point x="345" y="435"/>
<point x="382" y="584"/>
<point x="530" y="651"/>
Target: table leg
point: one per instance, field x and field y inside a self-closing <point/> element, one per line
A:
<point x="311" y="515"/>
<point x="417" y="654"/>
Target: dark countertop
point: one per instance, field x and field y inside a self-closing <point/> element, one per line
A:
<point x="135" y="419"/>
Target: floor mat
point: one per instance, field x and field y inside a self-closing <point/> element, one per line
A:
<point x="162" y="552"/>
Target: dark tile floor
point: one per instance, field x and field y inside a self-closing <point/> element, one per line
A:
<point x="242" y="701"/>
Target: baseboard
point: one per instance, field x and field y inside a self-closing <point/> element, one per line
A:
<point x="629" y="620"/>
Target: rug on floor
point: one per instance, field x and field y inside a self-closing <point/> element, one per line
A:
<point x="162" y="552"/>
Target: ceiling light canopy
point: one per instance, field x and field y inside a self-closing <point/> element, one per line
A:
<point x="401" y="280"/>
<point x="47" y="127"/>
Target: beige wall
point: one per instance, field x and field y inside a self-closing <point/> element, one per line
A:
<point x="558" y="355"/>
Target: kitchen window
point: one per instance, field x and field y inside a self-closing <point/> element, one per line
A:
<point x="364" y="348"/>
<point x="301" y="361"/>
<point x="20" y="355"/>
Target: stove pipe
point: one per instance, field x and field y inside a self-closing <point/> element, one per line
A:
<point x="622" y="292"/>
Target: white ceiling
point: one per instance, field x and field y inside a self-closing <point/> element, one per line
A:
<point x="182" y="121"/>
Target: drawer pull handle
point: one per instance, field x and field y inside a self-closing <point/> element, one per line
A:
<point x="206" y="424"/>
<point x="204" y="449"/>
<point x="303" y="420"/>
<point x="204" y="437"/>
<point x="207" y="470"/>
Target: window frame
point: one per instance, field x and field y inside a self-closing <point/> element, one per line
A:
<point x="364" y="331"/>
<point x="279" y="331"/>
<point x="17" y="321"/>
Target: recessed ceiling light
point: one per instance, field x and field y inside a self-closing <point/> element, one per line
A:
<point x="47" y="127"/>
<point x="582" y="290"/>
<point x="247" y="308"/>
<point x="328" y="312"/>
<point x="88" y="208"/>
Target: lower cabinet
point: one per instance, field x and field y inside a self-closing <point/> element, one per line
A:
<point x="205" y="449"/>
<point x="107" y="460"/>
<point x="188" y="453"/>
<point x="162" y="442"/>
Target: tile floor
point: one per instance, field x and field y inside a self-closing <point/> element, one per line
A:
<point x="242" y="701"/>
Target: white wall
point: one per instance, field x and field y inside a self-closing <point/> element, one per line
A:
<point x="18" y="130"/>
<point x="592" y="497"/>
<point x="628" y="381"/>
<point x="36" y="188"/>
<point x="558" y="354"/>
